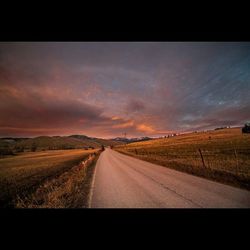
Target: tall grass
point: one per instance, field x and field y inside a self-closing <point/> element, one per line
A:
<point x="21" y="175"/>
<point x="69" y="190"/>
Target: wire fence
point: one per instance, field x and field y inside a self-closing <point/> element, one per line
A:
<point x="230" y="159"/>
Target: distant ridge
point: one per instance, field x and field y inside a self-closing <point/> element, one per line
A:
<point x="54" y="143"/>
<point x="126" y="140"/>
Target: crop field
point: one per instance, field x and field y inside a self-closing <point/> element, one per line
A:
<point x="221" y="155"/>
<point x="23" y="174"/>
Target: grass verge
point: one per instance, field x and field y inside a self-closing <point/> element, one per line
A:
<point x="69" y="190"/>
<point x="22" y="175"/>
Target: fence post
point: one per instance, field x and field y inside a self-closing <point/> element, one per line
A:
<point x="236" y="158"/>
<point x="202" y="158"/>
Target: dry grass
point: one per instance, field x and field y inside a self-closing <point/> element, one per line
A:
<point x="226" y="154"/>
<point x="69" y="190"/>
<point x="21" y="175"/>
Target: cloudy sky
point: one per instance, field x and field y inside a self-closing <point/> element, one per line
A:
<point x="105" y="89"/>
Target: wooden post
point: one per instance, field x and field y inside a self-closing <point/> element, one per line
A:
<point x="202" y="158"/>
<point x="236" y="158"/>
<point x="208" y="162"/>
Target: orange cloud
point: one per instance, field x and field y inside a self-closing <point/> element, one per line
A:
<point x="124" y="125"/>
<point x="145" y="128"/>
<point x="114" y="118"/>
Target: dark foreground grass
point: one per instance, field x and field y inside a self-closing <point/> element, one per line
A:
<point x="69" y="190"/>
<point x="22" y="175"/>
<point x="226" y="155"/>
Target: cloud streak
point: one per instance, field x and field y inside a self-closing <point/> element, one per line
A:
<point x="106" y="89"/>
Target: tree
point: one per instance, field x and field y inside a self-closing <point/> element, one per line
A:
<point x="6" y="151"/>
<point x="34" y="147"/>
<point x="19" y="149"/>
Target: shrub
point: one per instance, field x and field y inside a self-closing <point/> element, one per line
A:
<point x="34" y="147"/>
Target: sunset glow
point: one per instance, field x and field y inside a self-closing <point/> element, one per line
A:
<point x="106" y="89"/>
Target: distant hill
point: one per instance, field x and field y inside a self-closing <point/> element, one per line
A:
<point x="81" y="137"/>
<point x="126" y="140"/>
<point x="52" y="143"/>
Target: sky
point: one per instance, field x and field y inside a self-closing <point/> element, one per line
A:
<point x="106" y="89"/>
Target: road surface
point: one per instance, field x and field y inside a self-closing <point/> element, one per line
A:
<point x="121" y="181"/>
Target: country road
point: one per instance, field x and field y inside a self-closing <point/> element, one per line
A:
<point x="121" y="181"/>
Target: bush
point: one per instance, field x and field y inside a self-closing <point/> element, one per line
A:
<point x="34" y="147"/>
<point x="6" y="151"/>
<point x="19" y="149"/>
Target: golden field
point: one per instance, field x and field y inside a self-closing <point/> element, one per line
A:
<point x="225" y="152"/>
<point x="23" y="174"/>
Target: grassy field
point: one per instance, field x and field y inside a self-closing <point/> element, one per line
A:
<point x="225" y="152"/>
<point x="71" y="189"/>
<point x="23" y="174"/>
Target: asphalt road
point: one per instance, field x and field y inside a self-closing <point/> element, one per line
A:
<point x="121" y="181"/>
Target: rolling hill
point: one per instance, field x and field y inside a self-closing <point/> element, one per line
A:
<point x="8" y="145"/>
